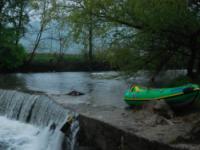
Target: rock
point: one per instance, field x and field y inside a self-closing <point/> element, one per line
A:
<point x="87" y="148"/>
<point x="124" y="114"/>
<point x="65" y="128"/>
<point x="154" y="120"/>
<point x="194" y="135"/>
<point x="162" y="121"/>
<point x="161" y="108"/>
<point x="75" y="93"/>
<point x="53" y="126"/>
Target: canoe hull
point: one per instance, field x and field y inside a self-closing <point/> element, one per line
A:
<point x="179" y="100"/>
<point x="183" y="100"/>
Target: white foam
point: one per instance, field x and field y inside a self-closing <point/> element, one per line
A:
<point x="20" y="136"/>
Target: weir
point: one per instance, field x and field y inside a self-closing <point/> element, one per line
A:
<point x="41" y="111"/>
<point x="58" y="132"/>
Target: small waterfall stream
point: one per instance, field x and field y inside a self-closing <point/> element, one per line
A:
<point x="47" y="117"/>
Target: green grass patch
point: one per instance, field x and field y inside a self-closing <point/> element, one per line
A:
<point x="53" y="58"/>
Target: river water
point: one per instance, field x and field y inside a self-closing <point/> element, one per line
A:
<point x="104" y="88"/>
<point x="64" y="82"/>
<point x="15" y="135"/>
<point x="100" y="89"/>
<point x="58" y="83"/>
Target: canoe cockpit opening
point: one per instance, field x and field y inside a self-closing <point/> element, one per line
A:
<point x="135" y="88"/>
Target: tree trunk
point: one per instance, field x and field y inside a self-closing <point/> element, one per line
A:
<point x="37" y="42"/>
<point x="166" y="59"/>
<point x="1" y="6"/>
<point x="90" y="38"/>
<point x="192" y="59"/>
<point x="61" y="47"/>
<point x="198" y="67"/>
<point x="19" y="26"/>
<point x="39" y="35"/>
<point x="90" y="43"/>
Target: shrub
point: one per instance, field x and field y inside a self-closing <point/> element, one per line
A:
<point x="11" y="56"/>
<point x="179" y="81"/>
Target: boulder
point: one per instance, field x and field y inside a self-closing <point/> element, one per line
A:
<point x="75" y="93"/>
<point x="194" y="135"/>
<point x="161" y="108"/>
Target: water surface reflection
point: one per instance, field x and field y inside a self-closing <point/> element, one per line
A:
<point x="100" y="88"/>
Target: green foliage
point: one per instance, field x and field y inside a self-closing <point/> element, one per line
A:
<point x="13" y="19"/>
<point x="124" y="59"/>
<point x="167" y="30"/>
<point x="13" y="15"/>
<point x="153" y="35"/>
<point x="179" y="81"/>
<point x="86" y="26"/>
<point x="43" y="58"/>
<point x="11" y="56"/>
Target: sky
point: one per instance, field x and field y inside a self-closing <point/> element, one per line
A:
<point x="49" y="42"/>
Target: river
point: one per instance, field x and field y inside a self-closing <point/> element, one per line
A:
<point x="101" y="89"/>
<point x="15" y="135"/>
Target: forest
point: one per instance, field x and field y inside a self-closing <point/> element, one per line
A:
<point x="130" y="35"/>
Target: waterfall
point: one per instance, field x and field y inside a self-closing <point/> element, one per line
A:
<point x="41" y="111"/>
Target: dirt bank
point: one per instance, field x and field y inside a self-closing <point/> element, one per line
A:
<point x="103" y="125"/>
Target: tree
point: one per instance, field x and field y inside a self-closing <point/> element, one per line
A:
<point x="12" y="54"/>
<point x="22" y="19"/>
<point x="45" y="11"/>
<point x="82" y="19"/>
<point x="59" y="34"/>
<point x="85" y="27"/>
<point x="159" y="35"/>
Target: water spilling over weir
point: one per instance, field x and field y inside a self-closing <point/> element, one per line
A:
<point x="46" y="116"/>
<point x="48" y="128"/>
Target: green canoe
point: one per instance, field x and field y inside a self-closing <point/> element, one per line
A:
<point x="178" y="96"/>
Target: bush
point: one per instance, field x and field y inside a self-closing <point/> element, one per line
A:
<point x="125" y="59"/>
<point x="11" y="56"/>
<point x="179" y="81"/>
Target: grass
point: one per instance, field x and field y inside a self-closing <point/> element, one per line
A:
<point x="50" y="58"/>
<point x="47" y="62"/>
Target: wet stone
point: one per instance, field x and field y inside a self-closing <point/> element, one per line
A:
<point x="194" y="135"/>
<point x="163" y="121"/>
<point x="75" y="93"/>
<point x="87" y="148"/>
<point x="160" y="108"/>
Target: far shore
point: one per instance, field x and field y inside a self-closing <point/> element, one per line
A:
<point x="49" y="62"/>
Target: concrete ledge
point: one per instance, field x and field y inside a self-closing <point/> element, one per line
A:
<point x="102" y="136"/>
